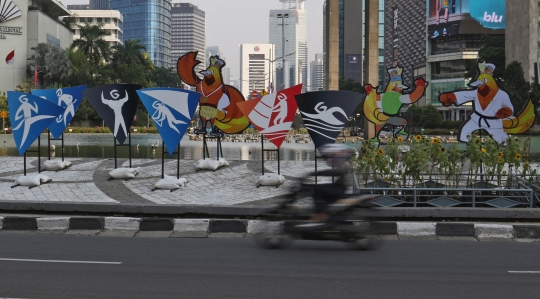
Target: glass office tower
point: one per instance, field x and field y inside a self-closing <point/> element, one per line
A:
<point x="149" y="21"/>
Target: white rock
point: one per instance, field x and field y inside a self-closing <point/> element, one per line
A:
<point x="124" y="173"/>
<point x="270" y="179"/>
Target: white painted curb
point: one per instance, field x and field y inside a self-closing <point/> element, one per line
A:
<point x="122" y="223"/>
<point x="256" y="227"/>
<point x="54" y="223"/>
<point x="1" y="222"/>
<point x="494" y="231"/>
<point x="191" y="225"/>
<point x="416" y="229"/>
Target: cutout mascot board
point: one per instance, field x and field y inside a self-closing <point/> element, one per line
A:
<point x="273" y="114"/>
<point x="69" y="98"/>
<point x="30" y="116"/>
<point x="117" y="105"/>
<point x="492" y="109"/>
<point x="217" y="107"/>
<point x="171" y="110"/>
<point x="325" y="113"/>
<point x="382" y="109"/>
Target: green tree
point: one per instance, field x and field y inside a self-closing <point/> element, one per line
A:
<point x="92" y="42"/>
<point x="492" y="51"/>
<point x="130" y="53"/>
<point x="165" y="77"/>
<point x="59" y="67"/>
<point x="516" y="86"/>
<point x="431" y="118"/>
<point x="135" y="74"/>
<point x="415" y="114"/>
<point x="38" y="59"/>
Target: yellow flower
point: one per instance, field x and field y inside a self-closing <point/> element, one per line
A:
<point x="380" y="151"/>
<point x="418" y="137"/>
<point x="443" y="149"/>
<point x="483" y="150"/>
<point x="518" y="156"/>
<point x="477" y="141"/>
<point x="499" y="160"/>
<point x="400" y="139"/>
<point x="500" y="154"/>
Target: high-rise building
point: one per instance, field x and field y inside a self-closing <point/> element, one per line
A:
<point x="188" y="33"/>
<point x="256" y="67"/>
<point x="112" y="21"/>
<point x="99" y="4"/>
<point x="342" y="41"/>
<point x="288" y="32"/>
<point x="317" y="73"/>
<point x="405" y="40"/>
<point x="149" y="21"/>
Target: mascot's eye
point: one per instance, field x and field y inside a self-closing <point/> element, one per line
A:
<point x="485" y="80"/>
<point x="213" y="72"/>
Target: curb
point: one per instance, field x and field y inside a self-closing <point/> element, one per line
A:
<point x="208" y="228"/>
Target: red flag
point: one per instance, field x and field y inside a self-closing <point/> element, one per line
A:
<point x="10" y="58"/>
<point x="35" y="76"/>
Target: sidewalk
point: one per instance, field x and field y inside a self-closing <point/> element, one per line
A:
<point x="86" y="181"/>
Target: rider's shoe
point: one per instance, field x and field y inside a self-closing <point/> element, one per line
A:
<point x="216" y="134"/>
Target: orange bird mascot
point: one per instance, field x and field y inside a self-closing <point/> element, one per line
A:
<point x="217" y="105"/>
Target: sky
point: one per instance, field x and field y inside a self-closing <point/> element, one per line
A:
<point x="230" y="23"/>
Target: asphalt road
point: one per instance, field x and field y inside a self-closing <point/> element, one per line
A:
<point x="36" y="266"/>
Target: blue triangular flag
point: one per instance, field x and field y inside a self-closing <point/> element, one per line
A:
<point x="69" y="98"/>
<point x="171" y="110"/>
<point x="30" y="115"/>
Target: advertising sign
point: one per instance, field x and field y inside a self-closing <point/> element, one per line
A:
<point x="490" y="14"/>
<point x="450" y="17"/>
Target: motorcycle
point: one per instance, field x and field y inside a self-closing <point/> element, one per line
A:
<point x="289" y="221"/>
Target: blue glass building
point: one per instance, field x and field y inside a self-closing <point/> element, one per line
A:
<point x="149" y="21"/>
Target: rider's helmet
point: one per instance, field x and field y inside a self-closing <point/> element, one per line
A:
<point x="336" y="153"/>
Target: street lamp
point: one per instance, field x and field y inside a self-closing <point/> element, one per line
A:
<point x="283" y="17"/>
<point x="271" y="79"/>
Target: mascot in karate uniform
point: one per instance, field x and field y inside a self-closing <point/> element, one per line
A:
<point x="492" y="109"/>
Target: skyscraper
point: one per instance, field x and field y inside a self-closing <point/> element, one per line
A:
<point x="149" y="21"/>
<point x="255" y="67"/>
<point x="188" y="33"/>
<point x="343" y="41"/>
<point x="99" y="5"/>
<point x="288" y="31"/>
<point x="317" y="73"/>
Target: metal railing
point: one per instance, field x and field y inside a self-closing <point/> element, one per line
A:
<point x="520" y="194"/>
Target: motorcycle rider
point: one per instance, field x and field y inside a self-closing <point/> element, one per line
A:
<point x="337" y="156"/>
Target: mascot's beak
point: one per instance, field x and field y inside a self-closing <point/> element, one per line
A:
<point x="477" y="83"/>
<point x="206" y="73"/>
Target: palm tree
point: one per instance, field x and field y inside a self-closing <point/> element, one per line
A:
<point x="130" y="53"/>
<point x="59" y="66"/>
<point x="38" y="60"/>
<point x="92" y="43"/>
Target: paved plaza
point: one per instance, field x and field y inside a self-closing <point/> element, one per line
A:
<point x="87" y="181"/>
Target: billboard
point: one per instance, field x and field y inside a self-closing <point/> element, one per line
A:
<point x="451" y="17"/>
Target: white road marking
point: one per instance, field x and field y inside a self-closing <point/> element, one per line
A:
<point x="60" y="261"/>
<point x="525" y="272"/>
